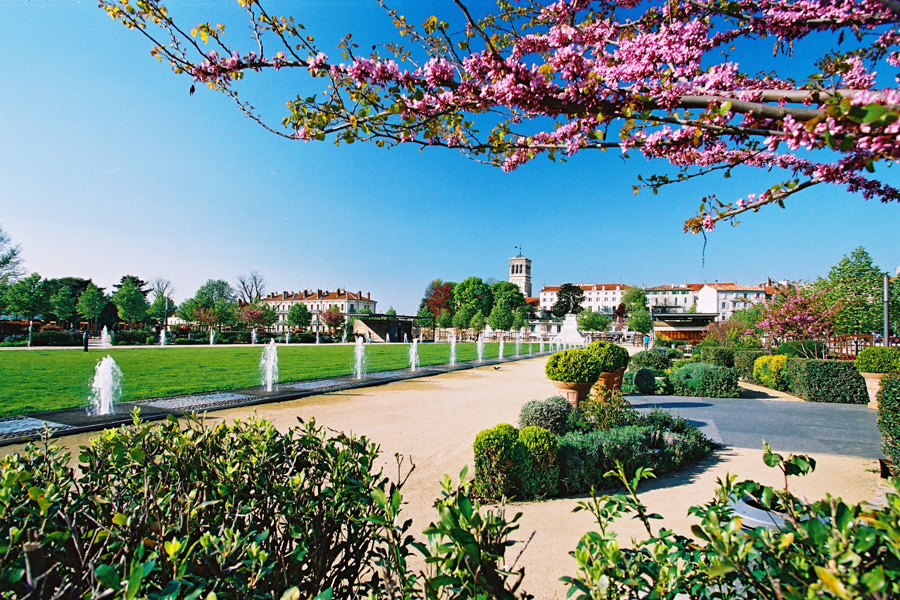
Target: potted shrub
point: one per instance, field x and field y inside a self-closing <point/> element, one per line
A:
<point x="612" y="360"/>
<point x="873" y="363"/>
<point x="573" y="372"/>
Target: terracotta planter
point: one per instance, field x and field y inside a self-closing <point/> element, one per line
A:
<point x="574" y="393"/>
<point x="873" y="382"/>
<point x="611" y="381"/>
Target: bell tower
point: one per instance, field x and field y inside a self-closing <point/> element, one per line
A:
<point x="520" y="272"/>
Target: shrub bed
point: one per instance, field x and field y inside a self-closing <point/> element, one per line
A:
<point x="705" y="380"/>
<point x="826" y="381"/>
<point x="552" y="414"/>
<point x="131" y="337"/>
<point x="744" y="360"/>
<point x="878" y="359"/>
<point x="57" y="338"/>
<point x="803" y="349"/>
<point x="652" y="359"/>
<point x="720" y="356"/>
<point x="889" y="415"/>
<point x="769" y="371"/>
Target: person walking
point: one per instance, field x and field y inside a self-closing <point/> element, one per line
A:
<point x="646" y="341"/>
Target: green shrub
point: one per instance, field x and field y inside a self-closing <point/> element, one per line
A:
<point x="720" y="356"/>
<point x="56" y="338"/>
<point x="664" y="386"/>
<point x="744" y="360"/>
<point x="769" y="371"/>
<point x="576" y="366"/>
<point x="803" y="349"/>
<point x="552" y="414"/>
<point x="610" y="357"/>
<point x="132" y="337"/>
<point x="889" y="415"/>
<point x="628" y="378"/>
<point x="653" y="359"/>
<point x="499" y="456"/>
<point x="826" y="381"/>
<point x="539" y="473"/>
<point x="720" y="382"/>
<point x="878" y="359"/>
<point x="644" y="381"/>
<point x="181" y="509"/>
<point x="608" y="412"/>
<point x="686" y="380"/>
<point x="580" y="458"/>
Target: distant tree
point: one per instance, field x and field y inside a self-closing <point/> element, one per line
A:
<point x="589" y="320"/>
<point x="520" y="318"/>
<point x="568" y="300"/>
<point x="332" y="317"/>
<point x="640" y="321"/>
<point x="477" y="322"/>
<point x="214" y="304"/>
<point x="692" y="308"/>
<point x="204" y="316"/>
<point x="390" y="311"/>
<point x="508" y="294"/>
<point x="474" y="295"/>
<point x="365" y="311"/>
<point x="226" y="313"/>
<point x="134" y="280"/>
<point x="251" y="287"/>
<point x="441" y="299"/>
<point x="258" y="314"/>
<point x="91" y="302"/>
<point x="501" y="318"/>
<point x="463" y="317"/>
<point x="620" y="313"/>
<point x="163" y="305"/>
<point x="28" y="297"/>
<point x="797" y="315"/>
<point x="635" y="300"/>
<point x="10" y="258"/>
<point x="299" y="316"/>
<point x="424" y="318"/>
<point x="445" y="320"/>
<point x="215" y="290"/>
<point x="856" y="284"/>
<point x="130" y="301"/>
<point x="63" y="303"/>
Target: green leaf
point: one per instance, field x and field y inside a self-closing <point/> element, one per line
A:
<point x="108" y="577"/>
<point x="874" y="112"/>
<point x="120" y="519"/>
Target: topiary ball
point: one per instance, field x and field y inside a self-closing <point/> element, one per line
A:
<point x="644" y="381"/>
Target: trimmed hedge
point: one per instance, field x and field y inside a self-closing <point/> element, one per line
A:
<point x="644" y="381"/>
<point x="705" y="380"/>
<point x="575" y="366"/>
<point x="56" y="338"/>
<point x="686" y="379"/>
<point x="552" y="414"/>
<point x="743" y="362"/>
<point x="878" y="359"/>
<point x="819" y="380"/>
<point x="498" y="457"/>
<point x="769" y="371"/>
<point x="539" y="473"/>
<point x="889" y="415"/>
<point x="652" y="359"/>
<point x="610" y="357"/>
<point x="718" y="355"/>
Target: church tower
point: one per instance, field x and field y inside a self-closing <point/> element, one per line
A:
<point x="520" y="273"/>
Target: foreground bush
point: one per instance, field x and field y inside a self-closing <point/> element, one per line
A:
<point x="826" y="381"/>
<point x="552" y="414"/>
<point x="744" y="361"/>
<point x="721" y="356"/>
<point x="705" y="380"/>
<point x="652" y="359"/>
<point x="575" y="366"/>
<point x="878" y="359"/>
<point x="240" y="510"/>
<point x="499" y="456"/>
<point x="610" y="357"/>
<point x="889" y="415"/>
<point x="644" y="381"/>
<point x="769" y="371"/>
<point x="537" y="478"/>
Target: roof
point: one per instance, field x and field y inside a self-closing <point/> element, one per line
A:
<point x="733" y="287"/>
<point x="589" y="287"/>
<point x="533" y="301"/>
<point x="316" y="295"/>
<point x="670" y="288"/>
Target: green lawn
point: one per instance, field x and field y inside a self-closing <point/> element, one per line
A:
<point x="40" y="380"/>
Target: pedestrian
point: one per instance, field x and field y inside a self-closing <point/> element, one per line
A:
<point x="646" y="341"/>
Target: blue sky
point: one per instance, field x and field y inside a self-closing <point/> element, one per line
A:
<point x="108" y="166"/>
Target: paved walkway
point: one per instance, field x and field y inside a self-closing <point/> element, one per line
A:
<point x="790" y="426"/>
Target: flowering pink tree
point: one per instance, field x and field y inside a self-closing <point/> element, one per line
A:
<point x="797" y="315"/>
<point x="258" y="315"/>
<point x="653" y="77"/>
<point x="332" y="317"/>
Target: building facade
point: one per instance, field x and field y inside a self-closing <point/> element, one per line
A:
<point x="598" y="297"/>
<point x="672" y="298"/>
<point x="316" y="301"/>
<point x="725" y="298"/>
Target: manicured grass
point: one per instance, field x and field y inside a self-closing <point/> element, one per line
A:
<point x="41" y="380"/>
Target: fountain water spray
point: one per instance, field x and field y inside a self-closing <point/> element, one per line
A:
<point x="518" y="342"/>
<point x="268" y="366"/>
<point x="542" y="347"/>
<point x="162" y="338"/>
<point x="29" y="333"/>
<point x="414" y="356"/>
<point x="287" y="338"/>
<point x="253" y="336"/>
<point x="500" y="352"/>
<point x="344" y="337"/>
<point x="104" y="338"/>
<point x="106" y="387"/>
<point x="212" y="337"/>
<point x="317" y="338"/>
<point x="453" y="350"/>
<point x="359" y="358"/>
<point x="480" y="347"/>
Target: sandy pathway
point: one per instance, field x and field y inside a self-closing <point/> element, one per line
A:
<point x="434" y="420"/>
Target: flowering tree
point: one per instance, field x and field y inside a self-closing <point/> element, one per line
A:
<point x="258" y="314"/>
<point x="650" y="77"/>
<point x="797" y="315"/>
<point x="332" y="317"/>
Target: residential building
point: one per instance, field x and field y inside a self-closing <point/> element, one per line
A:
<point x="672" y="298"/>
<point x="348" y="303"/>
<point x="725" y="298"/>
<point x="598" y="297"/>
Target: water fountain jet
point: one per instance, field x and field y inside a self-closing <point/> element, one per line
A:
<point x="268" y="366"/>
<point x="106" y="387"/>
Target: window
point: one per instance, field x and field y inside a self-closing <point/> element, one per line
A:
<point x="723" y="305"/>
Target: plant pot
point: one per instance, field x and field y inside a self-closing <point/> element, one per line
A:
<point x="574" y="393"/>
<point x="873" y="383"/>
<point x="611" y="380"/>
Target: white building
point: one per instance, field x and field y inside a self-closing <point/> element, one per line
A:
<point x="725" y="298"/>
<point x="598" y="297"/>
<point x="673" y="298"/>
<point x="317" y="301"/>
<point x="520" y="273"/>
